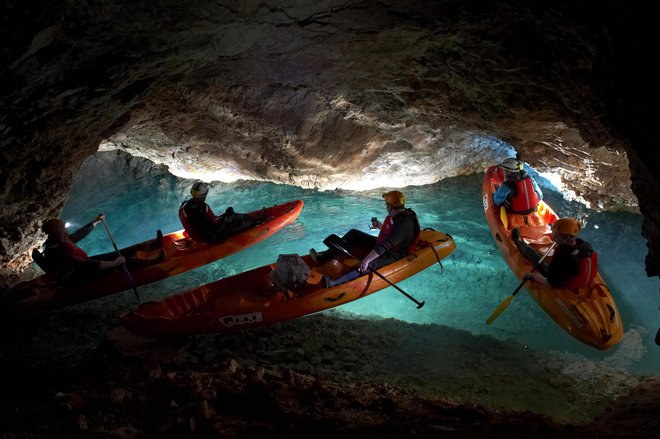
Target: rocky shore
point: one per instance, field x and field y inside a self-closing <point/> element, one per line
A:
<point x="76" y="373"/>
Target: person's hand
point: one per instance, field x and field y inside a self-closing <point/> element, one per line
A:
<point x="120" y="260"/>
<point x="100" y="217"/>
<point x="375" y="224"/>
<point x="364" y="266"/>
<point x="530" y="276"/>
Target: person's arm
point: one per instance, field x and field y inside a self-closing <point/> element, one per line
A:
<point x="86" y="229"/>
<point x="211" y="216"/>
<point x="364" y="264"/>
<point x="404" y="230"/>
<point x="500" y="194"/>
<point x="537" y="189"/>
<point x="104" y="265"/>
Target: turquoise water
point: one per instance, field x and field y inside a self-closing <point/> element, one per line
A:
<point x="138" y="198"/>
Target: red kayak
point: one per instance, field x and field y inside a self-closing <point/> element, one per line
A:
<point x="179" y="255"/>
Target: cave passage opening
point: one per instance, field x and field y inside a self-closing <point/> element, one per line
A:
<point x="139" y="197"/>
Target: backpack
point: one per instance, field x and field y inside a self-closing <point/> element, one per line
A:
<point x="290" y="273"/>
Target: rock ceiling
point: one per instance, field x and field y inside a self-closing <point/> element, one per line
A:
<point x="323" y="94"/>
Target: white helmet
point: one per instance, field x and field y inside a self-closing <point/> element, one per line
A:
<point x="199" y="190"/>
<point x="511" y="165"/>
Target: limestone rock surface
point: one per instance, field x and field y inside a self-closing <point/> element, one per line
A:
<point x="349" y="94"/>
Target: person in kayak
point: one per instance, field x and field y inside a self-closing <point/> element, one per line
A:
<point x="520" y="193"/>
<point x="574" y="263"/>
<point x="398" y="237"/>
<point x="63" y="259"/>
<point x="200" y="222"/>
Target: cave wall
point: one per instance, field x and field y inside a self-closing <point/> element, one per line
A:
<point x="320" y="95"/>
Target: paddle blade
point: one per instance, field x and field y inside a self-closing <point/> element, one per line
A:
<point x="500" y="309"/>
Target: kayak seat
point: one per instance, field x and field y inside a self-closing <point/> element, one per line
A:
<point x="536" y="234"/>
<point x="184" y="243"/>
<point x="530" y="220"/>
<point x="333" y="268"/>
<point x="314" y="277"/>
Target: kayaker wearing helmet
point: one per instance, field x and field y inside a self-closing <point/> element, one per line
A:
<point x="519" y="194"/>
<point x="398" y="237"/>
<point x="200" y="222"/>
<point x="574" y="263"/>
<point x="63" y="259"/>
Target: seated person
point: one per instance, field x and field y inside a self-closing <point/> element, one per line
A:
<point x="63" y="258"/>
<point x="202" y="225"/>
<point x="398" y="238"/>
<point x="519" y="194"/>
<point x="574" y="263"/>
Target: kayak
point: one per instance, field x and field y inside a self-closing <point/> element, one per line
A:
<point x="251" y="299"/>
<point x="180" y="254"/>
<point x="589" y="314"/>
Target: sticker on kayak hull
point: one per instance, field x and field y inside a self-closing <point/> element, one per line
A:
<point x="485" y="202"/>
<point x="241" y="319"/>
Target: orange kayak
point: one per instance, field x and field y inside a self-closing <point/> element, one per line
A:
<point x="590" y="314"/>
<point x="180" y="254"/>
<point x="250" y="299"/>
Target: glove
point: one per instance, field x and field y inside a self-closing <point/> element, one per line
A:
<point x="529" y="276"/>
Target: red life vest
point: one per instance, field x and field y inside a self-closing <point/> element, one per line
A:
<point x="197" y="219"/>
<point x="388" y="227"/>
<point x="525" y="199"/>
<point x="588" y="269"/>
<point x="74" y="251"/>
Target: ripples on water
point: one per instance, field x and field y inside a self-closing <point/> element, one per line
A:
<point x="138" y="198"/>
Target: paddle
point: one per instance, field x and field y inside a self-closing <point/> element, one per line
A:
<point x="128" y="273"/>
<point x="336" y="242"/>
<point x="500" y="309"/>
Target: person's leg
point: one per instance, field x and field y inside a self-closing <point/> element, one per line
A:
<point x="383" y="260"/>
<point x="226" y="230"/>
<point x="105" y="257"/>
<point x="529" y="252"/>
<point x="358" y="238"/>
<point x="239" y="217"/>
<point x="353" y="274"/>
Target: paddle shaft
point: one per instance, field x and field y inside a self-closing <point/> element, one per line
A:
<point x="536" y="266"/>
<point x="506" y="302"/>
<point x="128" y="273"/>
<point x="417" y="302"/>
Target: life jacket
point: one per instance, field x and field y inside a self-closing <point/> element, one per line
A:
<point x="63" y="257"/>
<point x="388" y="227"/>
<point x="197" y="218"/>
<point x="588" y="268"/>
<point x="523" y="199"/>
